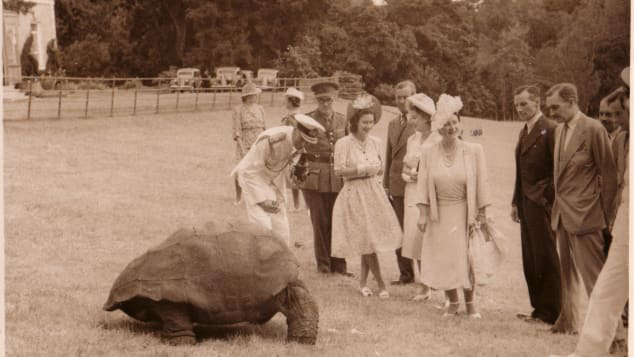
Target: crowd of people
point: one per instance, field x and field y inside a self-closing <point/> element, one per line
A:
<point x="423" y="198"/>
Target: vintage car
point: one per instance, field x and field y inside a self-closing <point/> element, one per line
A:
<point x="267" y="78"/>
<point x="226" y="77"/>
<point x="187" y="79"/>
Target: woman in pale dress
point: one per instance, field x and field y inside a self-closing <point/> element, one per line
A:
<point x="248" y="123"/>
<point x="453" y="194"/>
<point x="420" y="109"/>
<point x="363" y="221"/>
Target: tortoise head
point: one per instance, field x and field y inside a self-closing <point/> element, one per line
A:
<point x="302" y="314"/>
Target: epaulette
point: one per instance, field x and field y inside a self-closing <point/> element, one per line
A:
<point x="276" y="138"/>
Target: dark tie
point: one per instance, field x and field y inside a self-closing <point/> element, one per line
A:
<point x="524" y="133"/>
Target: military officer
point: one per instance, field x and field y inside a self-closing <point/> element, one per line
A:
<point x="321" y="186"/>
<point x="263" y="171"/>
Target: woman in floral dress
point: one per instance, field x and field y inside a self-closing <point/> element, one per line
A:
<point x="363" y="221"/>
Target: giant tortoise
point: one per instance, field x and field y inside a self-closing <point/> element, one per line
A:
<point x="220" y="275"/>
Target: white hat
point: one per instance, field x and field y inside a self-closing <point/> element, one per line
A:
<point x="308" y="128"/>
<point x="293" y="92"/>
<point x="250" y="89"/>
<point x="446" y="107"/>
<point x="625" y="76"/>
<point x="422" y="102"/>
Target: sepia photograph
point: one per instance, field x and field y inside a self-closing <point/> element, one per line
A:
<point x="369" y="178"/>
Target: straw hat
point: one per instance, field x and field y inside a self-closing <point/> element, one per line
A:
<point x="250" y="89"/>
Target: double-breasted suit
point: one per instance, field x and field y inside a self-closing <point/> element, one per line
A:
<point x="533" y="197"/>
<point x="584" y="175"/>
<point x="398" y="131"/>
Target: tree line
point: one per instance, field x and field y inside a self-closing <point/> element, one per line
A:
<point x="478" y="49"/>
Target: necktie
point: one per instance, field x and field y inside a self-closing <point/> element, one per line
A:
<point x="562" y="145"/>
<point x="524" y="132"/>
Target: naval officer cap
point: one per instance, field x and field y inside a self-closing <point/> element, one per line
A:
<point x="308" y="128"/>
<point x="325" y="89"/>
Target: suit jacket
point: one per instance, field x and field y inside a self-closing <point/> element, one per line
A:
<point x="620" y="150"/>
<point x="584" y="178"/>
<point x="534" y="165"/>
<point x="395" y="147"/>
<point x="478" y="192"/>
<point x="320" y="156"/>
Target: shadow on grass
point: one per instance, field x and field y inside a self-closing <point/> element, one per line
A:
<point x="273" y="330"/>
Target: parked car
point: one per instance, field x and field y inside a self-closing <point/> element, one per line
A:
<point x="226" y="77"/>
<point x="267" y="78"/>
<point x="186" y="79"/>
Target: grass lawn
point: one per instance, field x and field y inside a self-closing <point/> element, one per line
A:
<point x="84" y="197"/>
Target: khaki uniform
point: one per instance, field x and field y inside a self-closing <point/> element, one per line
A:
<point x="321" y="187"/>
<point x="262" y="174"/>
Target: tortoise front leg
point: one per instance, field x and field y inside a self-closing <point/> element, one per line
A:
<point x="302" y="313"/>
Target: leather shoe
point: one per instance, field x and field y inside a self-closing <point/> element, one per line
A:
<point x="401" y="282"/>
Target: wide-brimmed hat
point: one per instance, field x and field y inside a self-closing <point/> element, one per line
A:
<point x="365" y="101"/>
<point x="250" y="89"/>
<point x="325" y="89"/>
<point x="308" y="127"/>
<point x="294" y="92"/>
<point x="423" y="102"/>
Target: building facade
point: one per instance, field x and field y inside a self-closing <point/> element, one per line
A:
<point x="38" y="21"/>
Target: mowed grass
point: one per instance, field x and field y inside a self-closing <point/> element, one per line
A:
<point x="84" y="197"/>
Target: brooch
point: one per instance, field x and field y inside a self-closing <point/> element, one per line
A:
<point x="543" y="131"/>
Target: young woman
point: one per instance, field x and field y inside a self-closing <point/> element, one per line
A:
<point x="420" y="109"/>
<point x="452" y="195"/>
<point x="363" y="221"/>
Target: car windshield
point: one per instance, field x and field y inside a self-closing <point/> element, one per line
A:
<point x="185" y="74"/>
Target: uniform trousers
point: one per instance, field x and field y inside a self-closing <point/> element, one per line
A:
<point x="320" y="205"/>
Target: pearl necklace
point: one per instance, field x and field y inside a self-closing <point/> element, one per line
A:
<point x="449" y="157"/>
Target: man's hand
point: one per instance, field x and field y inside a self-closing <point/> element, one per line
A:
<point x="269" y="206"/>
<point x="514" y="215"/>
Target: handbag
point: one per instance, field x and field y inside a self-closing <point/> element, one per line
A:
<point x="486" y="250"/>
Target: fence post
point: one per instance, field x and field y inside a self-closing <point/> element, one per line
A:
<point x="196" y="102"/>
<point x="112" y="100"/>
<point x="213" y="99"/>
<point x="59" y="103"/>
<point x="273" y="89"/>
<point x="158" y="93"/>
<point x="87" y="96"/>
<point x="136" y="90"/>
<point x="230" y="93"/>
<point x="178" y="92"/>
<point x="28" y="113"/>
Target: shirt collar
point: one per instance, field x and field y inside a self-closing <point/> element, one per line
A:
<point x="531" y="122"/>
<point x="573" y="122"/>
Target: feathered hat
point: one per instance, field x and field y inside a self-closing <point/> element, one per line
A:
<point x="446" y="107"/>
<point x="365" y="101"/>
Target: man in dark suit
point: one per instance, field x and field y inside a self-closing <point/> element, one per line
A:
<point x="321" y="186"/>
<point x="531" y="207"/>
<point x="398" y="131"/>
<point x="585" y="188"/>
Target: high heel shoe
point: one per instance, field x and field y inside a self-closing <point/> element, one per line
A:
<point x="450" y="310"/>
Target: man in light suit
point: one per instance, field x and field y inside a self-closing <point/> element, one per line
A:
<point x="600" y="332"/>
<point x="398" y="131"/>
<point x="531" y="206"/>
<point x="585" y="188"/>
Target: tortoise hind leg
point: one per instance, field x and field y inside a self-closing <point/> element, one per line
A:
<point x="176" y="322"/>
<point x="302" y="313"/>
